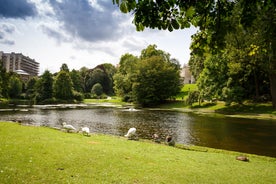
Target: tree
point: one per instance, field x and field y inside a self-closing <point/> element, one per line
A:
<point x="156" y="81"/>
<point x="4" y="79"/>
<point x="63" y="86"/>
<point x="97" y="89"/>
<point x="30" y="87"/>
<point x="212" y="17"/>
<point x="83" y="72"/>
<point x="15" y="87"/>
<point x="110" y="71"/>
<point x="96" y="75"/>
<point x="213" y="79"/>
<point x="64" y="67"/>
<point x="44" y="86"/>
<point x="77" y="80"/>
<point x="149" y="79"/>
<point x="125" y="75"/>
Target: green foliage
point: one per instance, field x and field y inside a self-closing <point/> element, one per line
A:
<point x="213" y="78"/>
<point x="147" y="80"/>
<point x="250" y="23"/>
<point x="63" y="86"/>
<point x="101" y="75"/>
<point x="125" y="76"/>
<point x="97" y="89"/>
<point x="4" y="81"/>
<point x="64" y="67"/>
<point x="78" y="96"/>
<point x="193" y="97"/>
<point x="15" y="87"/>
<point x="156" y="81"/>
<point x="44" y="86"/>
<point x="31" y="88"/>
<point x="77" y="80"/>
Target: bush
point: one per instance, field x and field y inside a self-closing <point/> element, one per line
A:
<point x="193" y="97"/>
<point x="78" y="96"/>
<point x="4" y="102"/>
<point x="97" y="89"/>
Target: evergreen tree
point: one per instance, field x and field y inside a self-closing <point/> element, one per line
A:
<point x="63" y="86"/>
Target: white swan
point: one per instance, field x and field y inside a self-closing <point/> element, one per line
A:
<point x="68" y="128"/>
<point x="85" y="130"/>
<point x="131" y="132"/>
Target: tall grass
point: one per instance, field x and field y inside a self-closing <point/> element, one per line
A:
<point x="43" y="155"/>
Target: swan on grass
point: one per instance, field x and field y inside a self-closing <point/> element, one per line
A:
<point x="68" y="128"/>
<point x="85" y="131"/>
<point x="131" y="134"/>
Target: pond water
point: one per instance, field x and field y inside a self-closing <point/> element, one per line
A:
<point x="244" y="135"/>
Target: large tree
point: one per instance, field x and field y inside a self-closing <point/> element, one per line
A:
<point x="156" y="80"/>
<point x="125" y="75"/>
<point x="212" y="17"/>
<point x="63" y="86"/>
<point x="149" y="79"/>
<point x="44" y="86"/>
<point x="15" y="87"/>
<point x="4" y="81"/>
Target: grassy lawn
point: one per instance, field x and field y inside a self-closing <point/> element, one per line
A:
<point x="113" y="100"/>
<point x="44" y="155"/>
<point x="185" y="91"/>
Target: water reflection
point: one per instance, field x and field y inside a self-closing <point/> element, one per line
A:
<point x="251" y="136"/>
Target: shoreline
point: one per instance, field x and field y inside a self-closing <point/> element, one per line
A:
<point x="200" y="111"/>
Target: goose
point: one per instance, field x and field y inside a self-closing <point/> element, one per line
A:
<point x="170" y="141"/>
<point x="68" y="128"/>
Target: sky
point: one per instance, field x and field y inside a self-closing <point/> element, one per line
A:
<point x="80" y="33"/>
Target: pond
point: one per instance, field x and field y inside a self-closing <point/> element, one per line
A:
<point x="243" y="135"/>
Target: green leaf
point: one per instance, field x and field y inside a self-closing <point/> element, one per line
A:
<point x="190" y="12"/>
<point x="123" y="7"/>
<point x="170" y="28"/>
<point x="175" y="24"/>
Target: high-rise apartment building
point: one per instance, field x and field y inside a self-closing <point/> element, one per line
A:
<point x="18" y="63"/>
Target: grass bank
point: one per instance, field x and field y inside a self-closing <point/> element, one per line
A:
<point x="245" y="110"/>
<point x="44" y="155"/>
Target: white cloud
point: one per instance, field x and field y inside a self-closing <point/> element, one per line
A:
<point x="83" y="33"/>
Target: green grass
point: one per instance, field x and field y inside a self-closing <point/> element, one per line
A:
<point x="113" y="100"/>
<point x="185" y="91"/>
<point x="43" y="155"/>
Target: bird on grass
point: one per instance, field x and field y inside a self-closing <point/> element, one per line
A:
<point x="170" y="141"/>
<point x="131" y="133"/>
<point x="85" y="131"/>
<point x="68" y="128"/>
<point x="156" y="138"/>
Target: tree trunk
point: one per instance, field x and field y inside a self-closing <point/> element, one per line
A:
<point x="273" y="78"/>
<point x="272" y="68"/>
<point x="257" y="97"/>
<point x="272" y="50"/>
<point x="273" y="89"/>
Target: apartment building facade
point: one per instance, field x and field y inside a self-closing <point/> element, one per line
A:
<point x="20" y="64"/>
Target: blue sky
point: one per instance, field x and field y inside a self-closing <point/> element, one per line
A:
<point x="80" y="33"/>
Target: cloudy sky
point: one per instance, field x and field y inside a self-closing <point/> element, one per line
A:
<point x="80" y="33"/>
